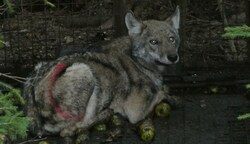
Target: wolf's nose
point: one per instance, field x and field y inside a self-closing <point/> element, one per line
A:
<point x="172" y="58"/>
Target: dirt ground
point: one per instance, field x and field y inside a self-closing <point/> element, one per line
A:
<point x="203" y="119"/>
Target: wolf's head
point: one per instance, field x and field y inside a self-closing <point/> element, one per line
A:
<point x="156" y="42"/>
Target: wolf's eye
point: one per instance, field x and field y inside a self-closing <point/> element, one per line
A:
<point x="154" y="42"/>
<point x="172" y="39"/>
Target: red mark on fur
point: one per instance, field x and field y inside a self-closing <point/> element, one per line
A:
<point x="64" y="114"/>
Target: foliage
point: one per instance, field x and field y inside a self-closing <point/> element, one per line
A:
<point x="9" y="6"/>
<point x="12" y="123"/>
<point x="248" y="86"/>
<point x="233" y="33"/>
<point x="247" y="115"/>
<point x="237" y="32"/>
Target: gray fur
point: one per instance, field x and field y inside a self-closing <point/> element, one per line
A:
<point x="123" y="79"/>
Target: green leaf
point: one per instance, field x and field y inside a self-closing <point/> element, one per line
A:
<point x="237" y="32"/>
<point x="13" y="92"/>
<point x="46" y="2"/>
<point x="9" y="6"/>
<point x="245" y="116"/>
<point x="247" y="86"/>
<point x="17" y="93"/>
<point x="3" y="131"/>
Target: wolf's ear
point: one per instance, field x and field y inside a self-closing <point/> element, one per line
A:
<point x="133" y="25"/>
<point x="174" y="20"/>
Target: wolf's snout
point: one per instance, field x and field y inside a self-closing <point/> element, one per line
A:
<point x="173" y="58"/>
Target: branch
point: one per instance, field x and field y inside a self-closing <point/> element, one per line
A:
<point x="223" y="15"/>
<point x="33" y="140"/>
<point x="16" y="78"/>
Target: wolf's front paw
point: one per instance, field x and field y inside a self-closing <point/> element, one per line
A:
<point x="67" y="131"/>
<point x="174" y="101"/>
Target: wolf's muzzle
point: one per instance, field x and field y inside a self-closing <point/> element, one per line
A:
<point x="173" y="58"/>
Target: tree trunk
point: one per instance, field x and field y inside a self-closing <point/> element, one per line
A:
<point x="119" y="11"/>
<point x="183" y="12"/>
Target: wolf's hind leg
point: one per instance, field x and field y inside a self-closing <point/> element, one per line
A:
<point x="55" y="128"/>
<point x="102" y="116"/>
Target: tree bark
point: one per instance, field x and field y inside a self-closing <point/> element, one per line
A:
<point x="233" y="56"/>
<point x="119" y="11"/>
<point x="183" y="12"/>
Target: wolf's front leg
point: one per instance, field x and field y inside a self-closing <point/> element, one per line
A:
<point x="174" y="101"/>
<point x="102" y="116"/>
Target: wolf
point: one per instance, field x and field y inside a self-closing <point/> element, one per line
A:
<point x="78" y="90"/>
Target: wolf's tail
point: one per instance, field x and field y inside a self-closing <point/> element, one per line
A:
<point x="30" y="108"/>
